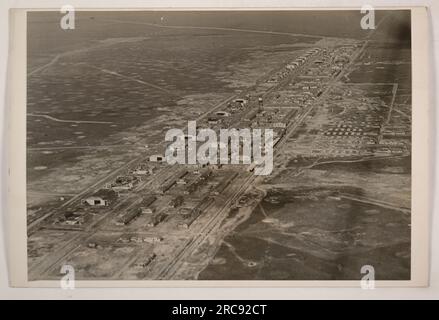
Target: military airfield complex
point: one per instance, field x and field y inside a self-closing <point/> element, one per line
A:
<point x="102" y="198"/>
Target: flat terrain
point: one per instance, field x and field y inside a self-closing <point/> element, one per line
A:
<point x="101" y="98"/>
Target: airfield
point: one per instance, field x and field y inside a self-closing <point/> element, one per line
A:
<point x="101" y="198"/>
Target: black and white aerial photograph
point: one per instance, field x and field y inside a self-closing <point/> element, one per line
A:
<point x="219" y="145"/>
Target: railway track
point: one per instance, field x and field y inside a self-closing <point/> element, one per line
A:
<point x="213" y="224"/>
<point x="209" y="228"/>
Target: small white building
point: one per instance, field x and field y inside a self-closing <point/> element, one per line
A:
<point x="140" y="172"/>
<point x="213" y="120"/>
<point x="241" y="101"/>
<point x="222" y="114"/>
<point x="156" y="158"/>
<point x="153" y="239"/>
<point x="95" y="201"/>
<point x="146" y="210"/>
<point x="279" y="125"/>
<point x="125" y="187"/>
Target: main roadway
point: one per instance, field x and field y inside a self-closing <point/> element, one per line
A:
<point x="172" y="270"/>
<point x="165" y="173"/>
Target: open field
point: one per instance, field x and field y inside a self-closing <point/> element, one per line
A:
<point x="101" y="98"/>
